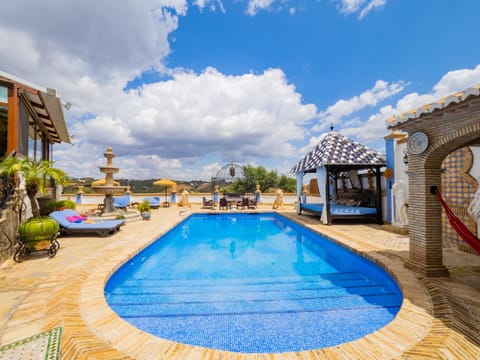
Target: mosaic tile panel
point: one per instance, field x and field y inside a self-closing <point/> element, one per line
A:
<point x="458" y="189"/>
<point x="45" y="345"/>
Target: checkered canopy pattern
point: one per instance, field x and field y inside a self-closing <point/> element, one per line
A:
<point x="336" y="149"/>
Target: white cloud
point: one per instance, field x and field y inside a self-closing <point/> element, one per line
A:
<point x="363" y="7"/>
<point x="369" y="98"/>
<point x="453" y="81"/>
<point x="170" y="128"/>
<point x="105" y="40"/>
<point x="371" y="6"/>
<point x="256" y="5"/>
<point x="195" y="116"/>
<point x="211" y="4"/>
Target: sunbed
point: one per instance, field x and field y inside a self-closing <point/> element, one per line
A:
<point x="154" y="201"/>
<point x="71" y="223"/>
<point x="121" y="202"/>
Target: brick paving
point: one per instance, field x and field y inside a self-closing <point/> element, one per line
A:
<point x="438" y="319"/>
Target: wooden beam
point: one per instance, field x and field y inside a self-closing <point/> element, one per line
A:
<point x="7" y="84"/>
<point x="45" y="148"/>
<point x="37" y="119"/>
<point x="37" y="105"/>
<point x="13" y="121"/>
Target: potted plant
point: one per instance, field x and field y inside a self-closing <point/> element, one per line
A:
<point x="37" y="233"/>
<point x="144" y="208"/>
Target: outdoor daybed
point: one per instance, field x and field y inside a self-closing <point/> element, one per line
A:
<point x="340" y="166"/>
<point x="71" y="223"/>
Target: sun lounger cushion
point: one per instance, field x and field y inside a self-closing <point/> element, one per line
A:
<point x="339" y="210"/>
<point x="314" y="208"/>
<point x="100" y="227"/>
<point x="336" y="209"/>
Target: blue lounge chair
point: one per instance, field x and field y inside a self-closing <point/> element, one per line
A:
<point x="121" y="202"/>
<point x="102" y="228"/>
<point x="154" y="201"/>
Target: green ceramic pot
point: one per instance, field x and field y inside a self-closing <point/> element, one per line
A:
<point x="37" y="233"/>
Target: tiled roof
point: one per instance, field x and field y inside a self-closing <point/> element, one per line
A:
<point x="429" y="108"/>
<point x="336" y="149"/>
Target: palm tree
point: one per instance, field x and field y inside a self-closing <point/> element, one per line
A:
<point x="37" y="176"/>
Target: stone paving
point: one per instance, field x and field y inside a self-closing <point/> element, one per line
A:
<point x="439" y="318"/>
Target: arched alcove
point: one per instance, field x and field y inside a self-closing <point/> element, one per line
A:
<point x="442" y="127"/>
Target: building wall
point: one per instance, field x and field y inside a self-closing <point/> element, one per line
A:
<point x="396" y="145"/>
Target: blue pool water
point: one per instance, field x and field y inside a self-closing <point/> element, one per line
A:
<point x="252" y="283"/>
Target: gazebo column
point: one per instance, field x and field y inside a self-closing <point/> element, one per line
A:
<point x="425" y="223"/>
<point x="378" y="196"/>
<point x="326" y="206"/>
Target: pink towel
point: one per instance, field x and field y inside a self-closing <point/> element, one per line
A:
<point x="73" y="219"/>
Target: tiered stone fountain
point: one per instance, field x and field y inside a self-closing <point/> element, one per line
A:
<point x="109" y="188"/>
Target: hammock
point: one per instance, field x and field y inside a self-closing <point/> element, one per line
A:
<point x="457" y="224"/>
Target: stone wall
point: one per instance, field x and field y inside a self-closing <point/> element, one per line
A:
<point x="8" y="233"/>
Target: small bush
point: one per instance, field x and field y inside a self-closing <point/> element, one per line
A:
<point x="144" y="206"/>
<point x="57" y="205"/>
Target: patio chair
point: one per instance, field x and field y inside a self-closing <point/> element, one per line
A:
<point x="252" y="203"/>
<point x="223" y="204"/>
<point x="207" y="204"/>
<point x="242" y="204"/>
<point x="70" y="223"/>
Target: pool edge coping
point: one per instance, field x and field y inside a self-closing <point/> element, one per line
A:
<point x="409" y="327"/>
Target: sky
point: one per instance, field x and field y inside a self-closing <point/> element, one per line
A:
<point x="180" y="88"/>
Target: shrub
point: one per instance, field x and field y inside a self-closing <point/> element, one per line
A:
<point x="144" y="206"/>
<point x="57" y="205"/>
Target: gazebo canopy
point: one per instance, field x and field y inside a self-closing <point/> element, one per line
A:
<point x="341" y="152"/>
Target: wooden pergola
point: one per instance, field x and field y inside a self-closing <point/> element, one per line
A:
<point x="29" y="111"/>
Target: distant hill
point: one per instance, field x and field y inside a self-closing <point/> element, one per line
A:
<point x="141" y="186"/>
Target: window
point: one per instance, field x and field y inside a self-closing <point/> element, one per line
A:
<point x="3" y="120"/>
<point x="3" y="129"/>
<point x="3" y="95"/>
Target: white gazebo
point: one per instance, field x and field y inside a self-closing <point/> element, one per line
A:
<point x="335" y="156"/>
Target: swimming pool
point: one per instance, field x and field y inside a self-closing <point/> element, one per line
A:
<point x="252" y="283"/>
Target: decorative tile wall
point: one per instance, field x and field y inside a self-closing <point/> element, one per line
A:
<point x="458" y="190"/>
